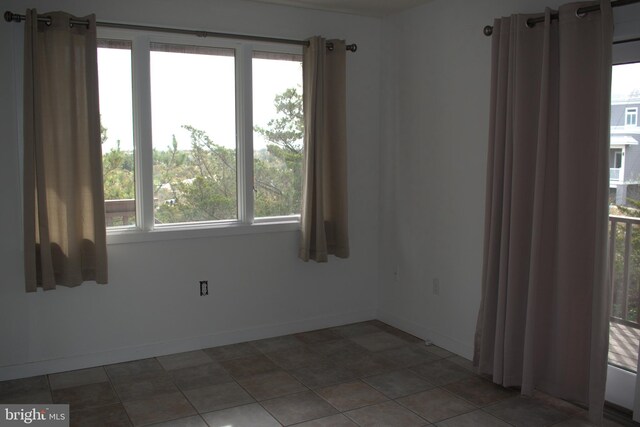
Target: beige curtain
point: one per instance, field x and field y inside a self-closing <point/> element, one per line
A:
<point x="324" y="210"/>
<point x="64" y="226"/>
<point x="543" y="320"/>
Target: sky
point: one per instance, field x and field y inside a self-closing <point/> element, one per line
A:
<point x="198" y="90"/>
<point x="188" y="89"/>
<point x="625" y="79"/>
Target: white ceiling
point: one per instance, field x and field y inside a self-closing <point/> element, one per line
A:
<point x="359" y="7"/>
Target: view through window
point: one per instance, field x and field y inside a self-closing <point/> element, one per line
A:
<point x="191" y="157"/>
<point x="116" y="131"/>
<point x="194" y="133"/>
<point x="278" y="133"/>
<point x="624" y="199"/>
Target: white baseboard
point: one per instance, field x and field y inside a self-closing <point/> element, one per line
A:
<point x="125" y="354"/>
<point x="451" y="344"/>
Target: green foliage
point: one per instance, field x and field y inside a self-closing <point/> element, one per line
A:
<point x="278" y="172"/>
<point x="199" y="184"/>
<point x="196" y="186"/>
<point x="118" y="173"/>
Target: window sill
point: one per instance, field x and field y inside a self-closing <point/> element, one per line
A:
<point x="118" y="236"/>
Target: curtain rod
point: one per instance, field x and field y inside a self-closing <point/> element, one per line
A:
<point x="531" y="22"/>
<point x="15" y="17"/>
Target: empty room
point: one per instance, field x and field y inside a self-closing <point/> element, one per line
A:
<point x="320" y="213"/>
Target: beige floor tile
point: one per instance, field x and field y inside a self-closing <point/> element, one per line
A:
<point x="441" y="372"/>
<point x="322" y="375"/>
<point x="111" y="415"/>
<point x="478" y="391"/>
<point x="347" y="396"/>
<point x="199" y="376"/>
<point x="271" y="385"/>
<point x="159" y="409"/>
<point x="386" y="414"/>
<point x="298" y="408"/>
<point x="219" y="396"/>
<point x="526" y="412"/>
<point x="86" y="396"/>
<point x="409" y="355"/>
<point x="473" y="419"/>
<point x="338" y="420"/>
<point x="379" y="341"/>
<point x="252" y="415"/>
<point x="436" y="405"/>
<point x="397" y="384"/>
<point x="145" y="386"/>
<point x="294" y="358"/>
<point x="249" y="366"/>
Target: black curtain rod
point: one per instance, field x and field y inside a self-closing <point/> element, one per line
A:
<point x="531" y="22"/>
<point x="15" y="17"/>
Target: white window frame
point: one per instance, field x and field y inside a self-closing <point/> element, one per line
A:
<point x="145" y="229"/>
<point x="631" y="112"/>
<point x="623" y="387"/>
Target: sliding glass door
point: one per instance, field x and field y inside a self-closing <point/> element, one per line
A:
<point x="623" y="387"/>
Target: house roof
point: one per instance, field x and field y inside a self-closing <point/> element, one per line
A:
<point x="623" y="140"/>
<point x="630" y="97"/>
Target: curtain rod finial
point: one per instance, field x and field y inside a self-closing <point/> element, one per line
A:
<point x="9" y="16"/>
<point x="352" y="47"/>
<point x="488" y="30"/>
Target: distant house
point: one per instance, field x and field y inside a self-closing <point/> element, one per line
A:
<point x="624" y="151"/>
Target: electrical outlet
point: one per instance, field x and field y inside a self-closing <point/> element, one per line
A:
<point x="436" y="286"/>
<point x="204" y="287"/>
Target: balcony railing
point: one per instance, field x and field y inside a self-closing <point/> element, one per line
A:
<point x="614" y="174"/>
<point x="624" y="261"/>
<point x="120" y="212"/>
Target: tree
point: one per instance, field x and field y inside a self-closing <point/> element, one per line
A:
<point x="202" y="184"/>
<point x="199" y="184"/>
<point x="278" y="172"/>
<point x="118" y="174"/>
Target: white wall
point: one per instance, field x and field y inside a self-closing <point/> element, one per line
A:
<point x="258" y="287"/>
<point x="438" y="142"/>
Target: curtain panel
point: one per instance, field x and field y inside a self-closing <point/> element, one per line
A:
<point x="543" y="319"/>
<point x="324" y="207"/>
<point x="64" y="223"/>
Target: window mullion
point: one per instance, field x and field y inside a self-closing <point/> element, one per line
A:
<point x="142" y="130"/>
<point x="244" y="114"/>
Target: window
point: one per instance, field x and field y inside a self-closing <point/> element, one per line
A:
<point x="631" y="116"/>
<point x="277" y="133"/>
<point x="618" y="159"/>
<point x="199" y="132"/>
<point x="116" y="131"/>
<point x="615" y="164"/>
<point x="194" y="133"/>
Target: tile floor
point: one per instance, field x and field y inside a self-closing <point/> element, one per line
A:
<point x="363" y="374"/>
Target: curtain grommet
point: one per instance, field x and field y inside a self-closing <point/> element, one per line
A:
<point x="529" y="24"/>
<point x="580" y="15"/>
